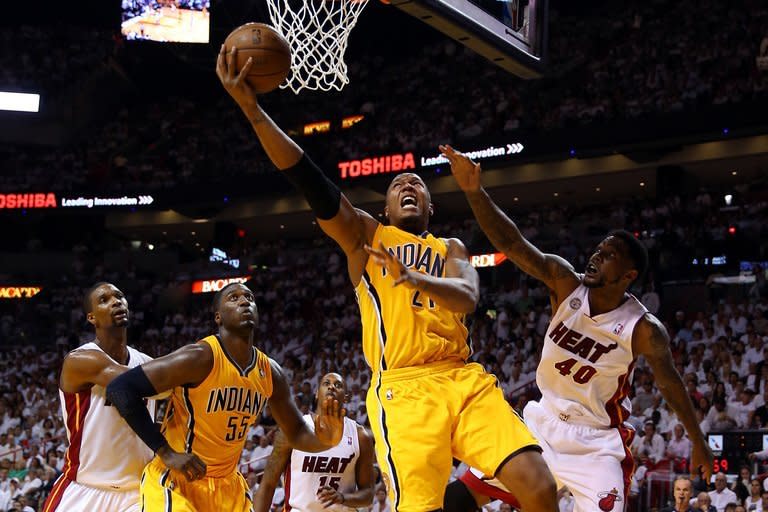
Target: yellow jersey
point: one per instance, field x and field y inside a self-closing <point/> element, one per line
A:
<point x="212" y="419"/>
<point x="404" y="327"/>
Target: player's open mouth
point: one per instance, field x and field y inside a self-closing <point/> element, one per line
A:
<point x="591" y="268"/>
<point x="408" y="201"/>
<point x="120" y="312"/>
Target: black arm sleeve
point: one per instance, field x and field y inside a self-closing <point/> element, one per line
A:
<point x="323" y="196"/>
<point x="127" y="394"/>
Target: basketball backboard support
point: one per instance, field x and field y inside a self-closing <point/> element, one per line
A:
<point x="510" y="33"/>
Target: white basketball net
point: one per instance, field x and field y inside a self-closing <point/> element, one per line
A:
<point x="318" y="31"/>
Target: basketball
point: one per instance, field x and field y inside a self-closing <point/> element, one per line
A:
<point x="270" y="52"/>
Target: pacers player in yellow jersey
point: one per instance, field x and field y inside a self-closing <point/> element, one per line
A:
<point x="426" y="404"/>
<point x="220" y="386"/>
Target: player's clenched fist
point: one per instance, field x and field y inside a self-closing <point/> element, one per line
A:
<point x="188" y="464"/>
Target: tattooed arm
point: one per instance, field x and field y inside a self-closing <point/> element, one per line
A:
<point x="650" y="339"/>
<point x="504" y="234"/>
<point x="276" y="464"/>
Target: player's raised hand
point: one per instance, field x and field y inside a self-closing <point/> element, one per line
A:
<point x="701" y="461"/>
<point x="235" y="83"/>
<point x="329" y="423"/>
<point x="188" y="464"/>
<point x="399" y="272"/>
<point x="466" y="172"/>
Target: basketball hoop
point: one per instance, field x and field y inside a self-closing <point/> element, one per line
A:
<point x="318" y="31"/>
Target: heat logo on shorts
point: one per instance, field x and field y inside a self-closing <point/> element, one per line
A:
<point x="608" y="499"/>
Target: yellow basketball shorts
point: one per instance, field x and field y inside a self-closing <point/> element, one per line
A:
<point x="164" y="491"/>
<point x="423" y="417"/>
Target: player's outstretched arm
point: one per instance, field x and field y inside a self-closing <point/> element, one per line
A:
<point x="329" y="424"/>
<point x="276" y="464"/>
<point x="189" y="365"/>
<point x="650" y="339"/>
<point x="349" y="227"/>
<point x="84" y="368"/>
<point x="363" y="496"/>
<point x="458" y="291"/>
<point x="504" y="234"/>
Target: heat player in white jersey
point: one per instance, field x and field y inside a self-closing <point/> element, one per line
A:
<point x="597" y="332"/>
<point x="339" y="479"/>
<point x="104" y="459"/>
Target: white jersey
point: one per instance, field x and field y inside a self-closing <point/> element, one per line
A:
<point x="308" y="472"/>
<point x="587" y="362"/>
<point x="103" y="451"/>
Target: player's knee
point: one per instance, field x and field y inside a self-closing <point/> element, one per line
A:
<point x="528" y="475"/>
<point x="543" y="482"/>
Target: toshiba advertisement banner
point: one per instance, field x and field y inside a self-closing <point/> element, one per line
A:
<point x="402" y="162"/>
<point x="39" y="200"/>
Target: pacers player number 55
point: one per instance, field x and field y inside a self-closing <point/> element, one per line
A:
<point x="236" y="432"/>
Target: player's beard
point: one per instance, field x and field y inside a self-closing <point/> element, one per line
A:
<point x="415" y="224"/>
<point x="599" y="283"/>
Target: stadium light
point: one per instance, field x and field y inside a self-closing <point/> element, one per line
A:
<point x="19" y="102"/>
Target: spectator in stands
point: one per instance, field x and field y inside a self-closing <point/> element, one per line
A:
<point x="718" y="417"/>
<point x="743" y="409"/>
<point x="380" y="501"/>
<point x="260" y="455"/>
<point x="722" y="495"/>
<point x="648" y="449"/>
<point x="5" y="498"/>
<point x="679" y="448"/>
<point x="742" y="484"/>
<point x="645" y="397"/>
<point x="760" y="417"/>
<point x="704" y="503"/>
<point x="754" y="502"/>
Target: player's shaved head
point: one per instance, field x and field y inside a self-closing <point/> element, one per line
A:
<point x="332" y="385"/>
<point x="335" y="375"/>
<point x="221" y="293"/>
<point x="87" y="296"/>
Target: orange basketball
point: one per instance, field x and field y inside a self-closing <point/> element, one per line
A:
<point x="270" y="52"/>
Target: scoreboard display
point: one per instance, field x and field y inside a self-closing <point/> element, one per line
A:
<point x="731" y="449"/>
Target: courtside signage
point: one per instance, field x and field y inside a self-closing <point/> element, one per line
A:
<point x="487" y="260"/>
<point x="19" y="292"/>
<point x="401" y="162"/>
<point x="214" y="285"/>
<point x="38" y="200"/>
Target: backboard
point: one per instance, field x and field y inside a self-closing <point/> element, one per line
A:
<point x="510" y="33"/>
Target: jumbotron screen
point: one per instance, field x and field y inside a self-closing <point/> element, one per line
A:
<point x="180" y="21"/>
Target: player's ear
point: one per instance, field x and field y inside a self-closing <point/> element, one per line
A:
<point x="217" y="318"/>
<point x="90" y="318"/>
<point x="631" y="275"/>
<point x="431" y="209"/>
<point x="386" y="212"/>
